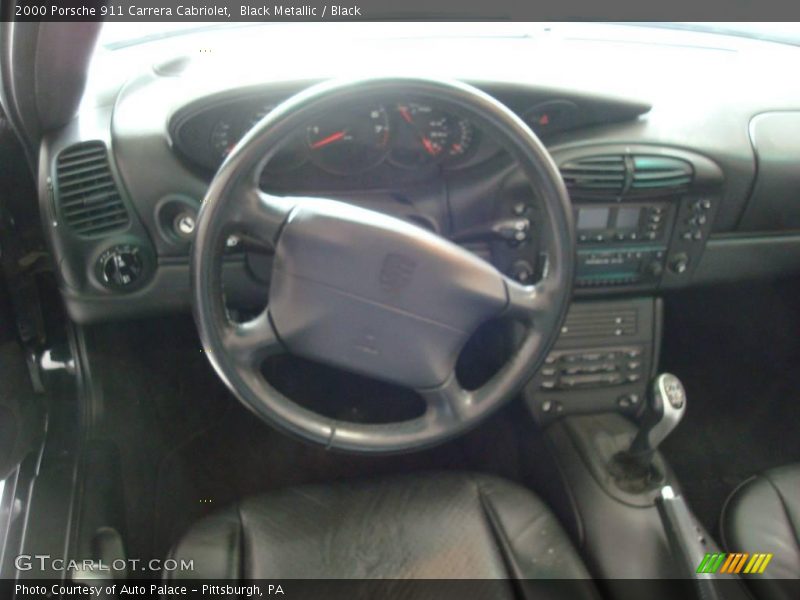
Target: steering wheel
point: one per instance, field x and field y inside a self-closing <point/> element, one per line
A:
<point x="370" y="293"/>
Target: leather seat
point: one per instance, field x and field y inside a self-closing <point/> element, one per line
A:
<point x="763" y="515"/>
<point x="442" y="526"/>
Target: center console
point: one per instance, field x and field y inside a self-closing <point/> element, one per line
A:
<point x="605" y="355"/>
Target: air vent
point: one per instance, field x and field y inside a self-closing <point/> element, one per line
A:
<point x="86" y="190"/>
<point x="622" y="174"/>
<point x="604" y="174"/>
<point x="655" y="172"/>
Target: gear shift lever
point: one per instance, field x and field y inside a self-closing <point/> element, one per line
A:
<point x="662" y="413"/>
<point x="663" y="410"/>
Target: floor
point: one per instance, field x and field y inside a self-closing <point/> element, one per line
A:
<point x="187" y="447"/>
<point x="737" y="351"/>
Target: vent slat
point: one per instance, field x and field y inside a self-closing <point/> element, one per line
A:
<point x="110" y="215"/>
<point x="69" y="181"/>
<point x="102" y="187"/>
<point x="655" y="172"/>
<point x="86" y="191"/>
<point x="77" y="211"/>
<point x="78" y="170"/>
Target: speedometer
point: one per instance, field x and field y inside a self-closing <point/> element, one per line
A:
<point x="427" y="135"/>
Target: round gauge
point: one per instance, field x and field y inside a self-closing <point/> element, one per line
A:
<point x="427" y="135"/>
<point x="351" y="141"/>
<point x="227" y="133"/>
<point x="461" y="140"/>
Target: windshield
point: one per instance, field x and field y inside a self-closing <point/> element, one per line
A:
<point x="120" y="34"/>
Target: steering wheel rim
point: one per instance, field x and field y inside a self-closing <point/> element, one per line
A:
<point x="235" y="204"/>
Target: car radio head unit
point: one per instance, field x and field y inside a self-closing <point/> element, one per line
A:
<point x="621" y="243"/>
<point x="603" y="223"/>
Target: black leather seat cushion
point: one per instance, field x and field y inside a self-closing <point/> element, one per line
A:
<point x="441" y="526"/>
<point x="763" y="515"/>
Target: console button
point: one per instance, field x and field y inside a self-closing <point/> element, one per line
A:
<point x="679" y="264"/>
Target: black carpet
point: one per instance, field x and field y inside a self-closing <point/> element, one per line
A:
<point x="737" y="351"/>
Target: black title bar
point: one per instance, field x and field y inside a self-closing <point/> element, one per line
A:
<point x="400" y="10"/>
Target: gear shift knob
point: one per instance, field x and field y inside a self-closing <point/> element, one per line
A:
<point x="664" y="409"/>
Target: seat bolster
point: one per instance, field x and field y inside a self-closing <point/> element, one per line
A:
<point x="533" y="541"/>
<point x="763" y="515"/>
<point x="214" y="547"/>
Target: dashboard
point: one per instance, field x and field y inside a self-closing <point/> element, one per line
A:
<point x="668" y="180"/>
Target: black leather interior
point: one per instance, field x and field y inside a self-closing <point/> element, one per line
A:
<point x="437" y="526"/>
<point x="763" y="515"/>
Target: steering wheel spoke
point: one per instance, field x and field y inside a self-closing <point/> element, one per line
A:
<point x="447" y="403"/>
<point x="259" y="215"/>
<point x="251" y="342"/>
<point x="528" y="303"/>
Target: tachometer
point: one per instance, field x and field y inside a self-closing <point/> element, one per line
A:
<point x="351" y="141"/>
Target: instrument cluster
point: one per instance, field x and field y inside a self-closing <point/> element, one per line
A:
<point x="406" y="134"/>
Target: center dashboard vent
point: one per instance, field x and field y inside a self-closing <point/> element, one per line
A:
<point x="87" y="193"/>
<point x="596" y="174"/>
<point x="652" y="172"/>
<point x="617" y="174"/>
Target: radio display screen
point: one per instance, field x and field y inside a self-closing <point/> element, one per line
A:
<point x="628" y="218"/>
<point x="593" y="218"/>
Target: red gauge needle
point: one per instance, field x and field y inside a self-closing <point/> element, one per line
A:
<point x="430" y="148"/>
<point x="334" y="137"/>
<point x="405" y="114"/>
